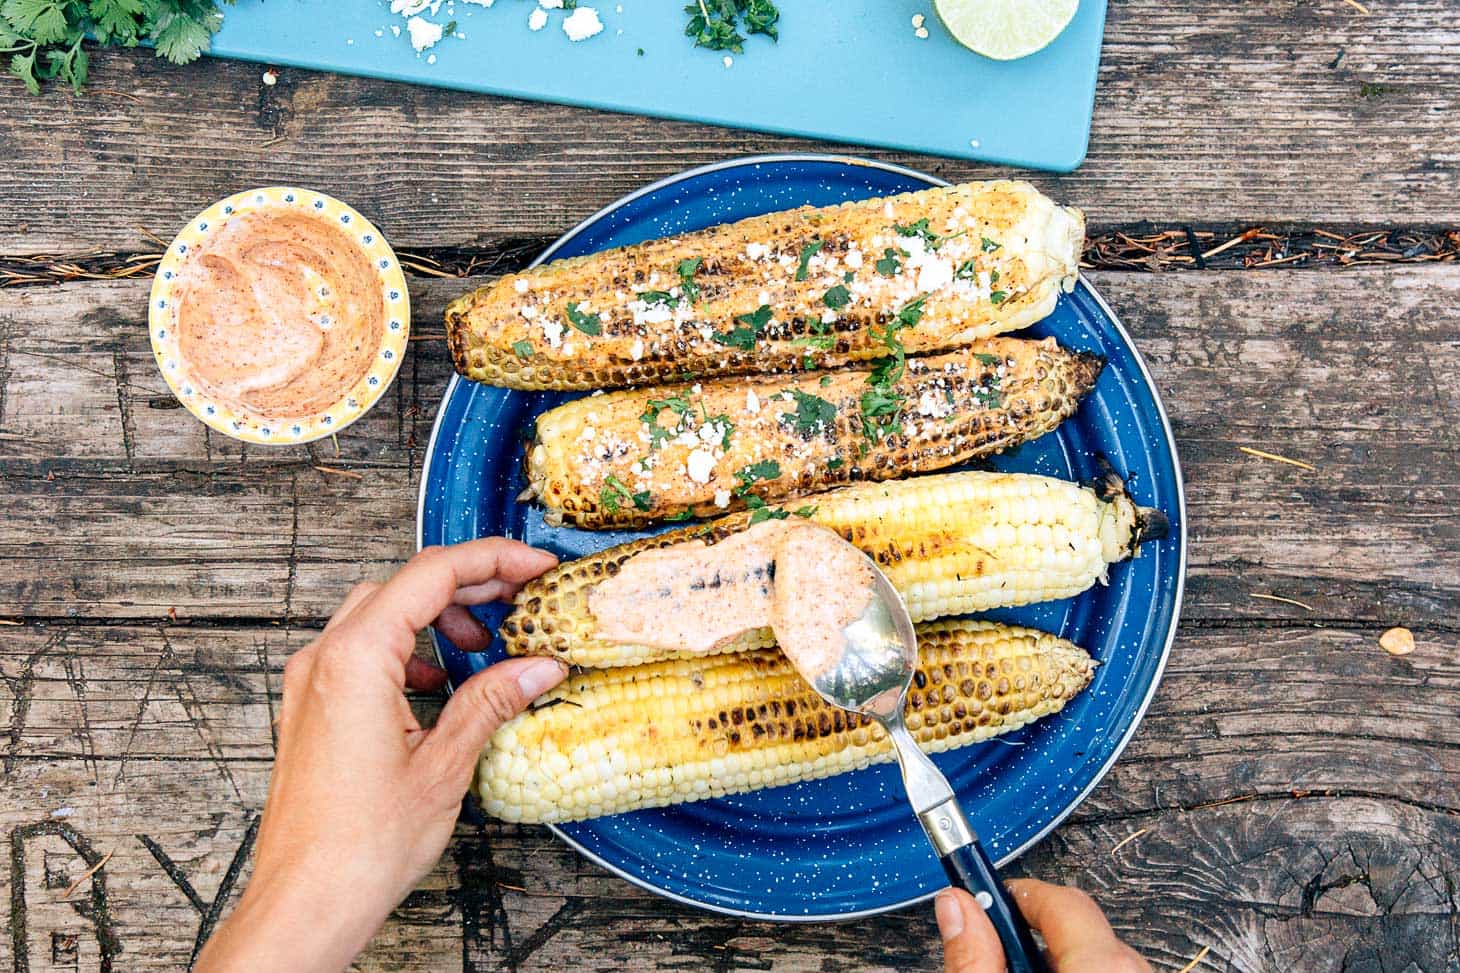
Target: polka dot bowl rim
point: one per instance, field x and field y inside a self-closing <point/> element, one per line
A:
<point x="359" y="398"/>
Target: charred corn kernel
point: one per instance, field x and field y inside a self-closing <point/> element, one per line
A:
<point x="785" y="291"/>
<point x="951" y="543"/>
<point x="615" y="740"/>
<point x="632" y="457"/>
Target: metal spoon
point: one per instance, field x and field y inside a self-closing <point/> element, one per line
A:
<point x="876" y="667"/>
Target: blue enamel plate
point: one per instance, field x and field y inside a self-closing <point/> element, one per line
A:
<point x="849" y="846"/>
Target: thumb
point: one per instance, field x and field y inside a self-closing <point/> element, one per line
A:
<point x="970" y="944"/>
<point x="483" y="703"/>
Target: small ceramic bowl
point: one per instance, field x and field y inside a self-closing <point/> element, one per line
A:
<point x="350" y="406"/>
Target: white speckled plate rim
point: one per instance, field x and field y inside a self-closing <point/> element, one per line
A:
<point x="1078" y="799"/>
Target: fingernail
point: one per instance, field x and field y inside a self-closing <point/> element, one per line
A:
<point x="949" y="913"/>
<point x="538" y="676"/>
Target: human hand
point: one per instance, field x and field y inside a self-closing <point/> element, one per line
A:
<point x="362" y="800"/>
<point x="1078" y="937"/>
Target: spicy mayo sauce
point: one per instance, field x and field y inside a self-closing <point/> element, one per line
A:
<point x="279" y="313"/>
<point x="801" y="580"/>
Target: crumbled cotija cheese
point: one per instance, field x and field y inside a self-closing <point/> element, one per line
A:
<point x="423" y="33"/>
<point x="700" y="465"/>
<point x="582" y="24"/>
<point x="757" y="251"/>
<point x="537" y="20"/>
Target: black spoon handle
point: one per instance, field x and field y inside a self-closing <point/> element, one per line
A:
<point x="969" y="868"/>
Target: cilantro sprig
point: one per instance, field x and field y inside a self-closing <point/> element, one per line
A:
<point x="807" y="252"/>
<point x="748" y="328"/>
<point x="890" y="264"/>
<point x="813" y="415"/>
<point x="716" y="24"/>
<point x="881" y="403"/>
<point x="615" y="494"/>
<point x="930" y="237"/>
<point x="589" y="324"/>
<point x="687" y="269"/>
<point x="658" y="433"/>
<point x="43" y="37"/>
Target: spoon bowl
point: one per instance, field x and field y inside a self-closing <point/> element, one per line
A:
<point x="871" y="676"/>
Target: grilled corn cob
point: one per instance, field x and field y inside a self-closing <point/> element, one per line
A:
<point x="615" y="740"/>
<point x="951" y="543"/>
<point x="635" y="456"/>
<point x="805" y="287"/>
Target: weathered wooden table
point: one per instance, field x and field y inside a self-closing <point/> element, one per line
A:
<point x="1290" y="802"/>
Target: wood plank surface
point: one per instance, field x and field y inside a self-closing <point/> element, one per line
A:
<point x="1291" y="801"/>
<point x="1344" y="371"/>
<point x="1297" y="111"/>
<point x="1292" y="856"/>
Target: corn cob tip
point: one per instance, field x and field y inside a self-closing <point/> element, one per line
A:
<point x="1088" y="366"/>
<point x="1150" y="524"/>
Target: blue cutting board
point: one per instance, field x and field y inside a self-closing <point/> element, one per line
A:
<point x="848" y="71"/>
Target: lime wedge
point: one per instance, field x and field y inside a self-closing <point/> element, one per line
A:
<point x="1005" y="29"/>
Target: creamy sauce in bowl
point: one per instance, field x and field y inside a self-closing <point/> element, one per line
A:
<point x="801" y="580"/>
<point x="278" y="314"/>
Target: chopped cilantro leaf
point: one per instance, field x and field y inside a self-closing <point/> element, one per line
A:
<point x="919" y="228"/>
<point x="989" y="246"/>
<point x="987" y="359"/>
<point x="835" y="463"/>
<point x="681" y="515"/>
<point x="767" y="513"/>
<point x="586" y="323"/>
<point x="615" y="493"/>
<point x="657" y="297"/>
<point x="825" y="381"/>
<point x="522" y="349"/>
<point x="766" y="469"/>
<point x="967" y="270"/>
<point x="821" y="342"/>
<point x="993" y="276"/>
<point x="687" y="269"/>
<point x="889" y="265"/>
<point x="807" y="252"/>
<point x="999" y="297"/>
<point x="912" y="312"/>
<point x="807" y="511"/>
<point x="813" y="414"/>
<point x="677" y="404"/>
<point x="715" y="24"/>
<point x="881" y="412"/>
<point x="749" y="327"/>
<point x="849" y="276"/>
<point x="837" y="297"/>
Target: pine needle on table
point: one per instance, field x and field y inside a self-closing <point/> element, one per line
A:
<point x="1262" y="454"/>
<point x="1358" y="6"/>
<point x="1128" y="839"/>
<point x="339" y="472"/>
<point x="1195" y="960"/>
<point x="1285" y="601"/>
<point x="87" y="874"/>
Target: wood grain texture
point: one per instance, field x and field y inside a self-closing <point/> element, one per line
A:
<point x="1261" y="828"/>
<point x="1292" y="798"/>
<point x="1256" y="112"/>
<point x="1343" y="371"/>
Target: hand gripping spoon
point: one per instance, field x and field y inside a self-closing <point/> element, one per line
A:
<point x="872" y="677"/>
